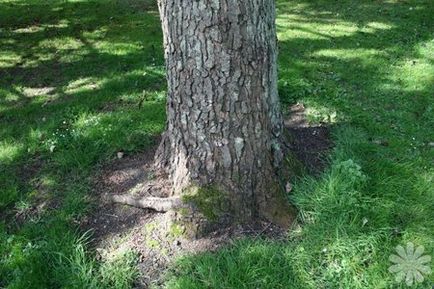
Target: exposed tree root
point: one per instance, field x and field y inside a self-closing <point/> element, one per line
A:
<point x="153" y="203"/>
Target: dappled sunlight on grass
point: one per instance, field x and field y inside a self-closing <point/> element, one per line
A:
<point x="8" y="58"/>
<point x="367" y="68"/>
<point x="9" y="151"/>
<point x="81" y="80"/>
<point x="361" y="53"/>
<point x="82" y="84"/>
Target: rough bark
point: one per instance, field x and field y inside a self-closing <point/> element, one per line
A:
<point x="224" y="121"/>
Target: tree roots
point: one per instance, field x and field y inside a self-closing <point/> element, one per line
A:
<point x="153" y="203"/>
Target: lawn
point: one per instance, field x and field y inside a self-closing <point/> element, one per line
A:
<point x="82" y="80"/>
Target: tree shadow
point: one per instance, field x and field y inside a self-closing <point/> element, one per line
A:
<point x="54" y="45"/>
<point x="62" y="61"/>
<point x="79" y="82"/>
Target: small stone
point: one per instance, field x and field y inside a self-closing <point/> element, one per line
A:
<point x="288" y="187"/>
<point x="177" y="243"/>
<point x="141" y="258"/>
<point x="120" y="155"/>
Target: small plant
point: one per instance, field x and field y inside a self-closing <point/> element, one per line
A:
<point x="351" y="171"/>
<point x="176" y="230"/>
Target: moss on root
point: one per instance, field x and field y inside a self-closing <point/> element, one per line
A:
<point x="279" y="211"/>
<point x="176" y="230"/>
<point x="209" y="201"/>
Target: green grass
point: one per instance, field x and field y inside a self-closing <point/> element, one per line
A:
<point x="367" y="68"/>
<point x="82" y="80"/>
<point x="79" y="81"/>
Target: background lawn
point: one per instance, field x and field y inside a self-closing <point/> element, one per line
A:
<point x="81" y="80"/>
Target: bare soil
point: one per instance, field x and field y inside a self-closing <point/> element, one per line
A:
<point x="309" y="142"/>
<point x="152" y="235"/>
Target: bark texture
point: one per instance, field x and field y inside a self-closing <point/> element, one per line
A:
<point x="224" y="121"/>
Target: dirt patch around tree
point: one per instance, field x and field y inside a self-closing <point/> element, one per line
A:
<point x="309" y="142"/>
<point x="152" y="235"/>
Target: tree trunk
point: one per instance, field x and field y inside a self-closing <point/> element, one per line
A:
<point x="224" y="121"/>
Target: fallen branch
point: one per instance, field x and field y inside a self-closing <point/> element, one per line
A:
<point x="153" y="203"/>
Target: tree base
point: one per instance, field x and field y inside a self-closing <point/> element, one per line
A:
<point x="201" y="211"/>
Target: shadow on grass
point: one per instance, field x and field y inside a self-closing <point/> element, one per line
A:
<point x="79" y="81"/>
<point x="57" y="73"/>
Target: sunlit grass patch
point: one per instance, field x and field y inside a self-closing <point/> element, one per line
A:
<point x="9" y="151"/>
<point x="82" y="84"/>
<point x="8" y="58"/>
